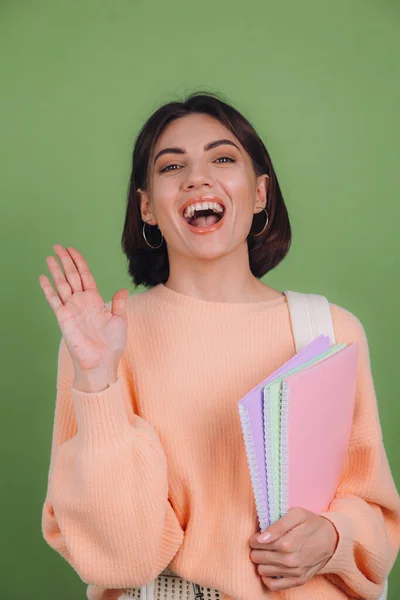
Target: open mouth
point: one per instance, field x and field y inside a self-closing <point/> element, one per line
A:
<point x="205" y="217"/>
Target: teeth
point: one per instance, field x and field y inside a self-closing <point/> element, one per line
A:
<point x="190" y="210"/>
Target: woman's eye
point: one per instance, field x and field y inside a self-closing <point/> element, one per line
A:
<point x="227" y="157"/>
<point x="169" y="167"/>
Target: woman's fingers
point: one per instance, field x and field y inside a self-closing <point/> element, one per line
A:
<point x="77" y="277"/>
<point x="274" y="571"/>
<point x="285" y="583"/>
<point x="86" y="276"/>
<point x="70" y="270"/>
<point x="62" y="286"/>
<point x="273" y="558"/>
<point x="51" y="297"/>
<point x="275" y="564"/>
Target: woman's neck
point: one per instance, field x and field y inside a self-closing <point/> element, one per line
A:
<point x="216" y="286"/>
<point x="256" y="291"/>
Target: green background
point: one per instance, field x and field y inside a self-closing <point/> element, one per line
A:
<point x="320" y="82"/>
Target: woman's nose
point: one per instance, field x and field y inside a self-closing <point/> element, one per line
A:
<point x="197" y="177"/>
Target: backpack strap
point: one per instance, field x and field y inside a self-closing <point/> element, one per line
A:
<point x="311" y="316"/>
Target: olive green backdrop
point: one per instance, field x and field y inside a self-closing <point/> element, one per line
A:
<point x="318" y="79"/>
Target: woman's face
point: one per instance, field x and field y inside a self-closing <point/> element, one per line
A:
<point x="192" y="171"/>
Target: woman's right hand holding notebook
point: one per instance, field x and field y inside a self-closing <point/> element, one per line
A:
<point x="95" y="336"/>
<point x="293" y="549"/>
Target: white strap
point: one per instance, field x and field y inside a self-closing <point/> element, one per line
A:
<point x="147" y="591"/>
<point x="311" y="316"/>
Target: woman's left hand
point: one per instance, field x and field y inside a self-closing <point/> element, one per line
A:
<point x="301" y="544"/>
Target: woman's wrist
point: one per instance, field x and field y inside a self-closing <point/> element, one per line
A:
<point x="95" y="380"/>
<point x="332" y="538"/>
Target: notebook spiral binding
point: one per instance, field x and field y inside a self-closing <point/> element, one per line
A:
<point x="284" y="447"/>
<point x="263" y="519"/>
<point x="273" y="513"/>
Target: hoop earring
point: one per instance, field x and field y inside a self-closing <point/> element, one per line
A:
<point x="145" y="238"/>
<point x="266" y="223"/>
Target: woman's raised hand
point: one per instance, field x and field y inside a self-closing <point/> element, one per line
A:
<point x="95" y="336"/>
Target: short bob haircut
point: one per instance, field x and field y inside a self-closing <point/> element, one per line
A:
<point x="150" y="267"/>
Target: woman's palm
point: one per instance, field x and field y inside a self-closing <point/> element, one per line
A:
<point x="90" y="330"/>
<point x="94" y="334"/>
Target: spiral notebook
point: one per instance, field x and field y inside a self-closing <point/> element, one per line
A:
<point x="272" y="431"/>
<point x="252" y="424"/>
<point x="316" y="422"/>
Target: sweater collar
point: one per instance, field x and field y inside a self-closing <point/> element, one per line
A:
<point x="168" y="297"/>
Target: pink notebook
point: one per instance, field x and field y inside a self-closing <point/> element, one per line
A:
<point x="316" y="420"/>
<point x="251" y="419"/>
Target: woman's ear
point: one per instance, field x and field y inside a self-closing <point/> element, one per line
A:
<point x="261" y="191"/>
<point x="145" y="208"/>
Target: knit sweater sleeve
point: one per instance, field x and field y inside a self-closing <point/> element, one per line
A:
<point x="366" y="509"/>
<point x="106" y="509"/>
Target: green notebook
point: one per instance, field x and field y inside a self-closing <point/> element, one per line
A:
<point x="272" y="428"/>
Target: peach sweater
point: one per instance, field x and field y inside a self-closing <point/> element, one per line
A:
<point x="152" y="471"/>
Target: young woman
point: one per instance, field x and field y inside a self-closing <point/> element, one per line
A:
<point x="148" y="468"/>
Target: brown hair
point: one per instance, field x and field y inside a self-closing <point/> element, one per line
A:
<point x="148" y="266"/>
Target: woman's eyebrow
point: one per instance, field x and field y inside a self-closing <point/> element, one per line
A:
<point x="209" y="146"/>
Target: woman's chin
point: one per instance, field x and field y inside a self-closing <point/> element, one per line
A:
<point x="208" y="243"/>
<point x="210" y="248"/>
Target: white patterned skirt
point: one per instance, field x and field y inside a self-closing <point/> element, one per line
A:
<point x="169" y="586"/>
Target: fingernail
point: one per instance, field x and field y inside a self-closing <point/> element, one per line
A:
<point x="264" y="537"/>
